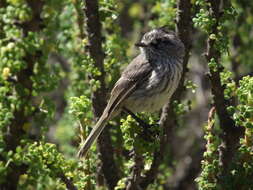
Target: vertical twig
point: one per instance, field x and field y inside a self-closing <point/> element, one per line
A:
<point x="231" y="133"/>
<point x="134" y="182"/>
<point x="93" y="25"/>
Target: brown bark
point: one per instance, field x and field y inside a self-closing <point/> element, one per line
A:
<point x="110" y="171"/>
<point x="230" y="132"/>
<point x="134" y="181"/>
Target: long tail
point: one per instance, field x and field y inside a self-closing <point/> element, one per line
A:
<point x="118" y="95"/>
<point x="97" y="129"/>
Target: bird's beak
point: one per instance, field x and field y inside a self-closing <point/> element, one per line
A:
<point x="141" y="44"/>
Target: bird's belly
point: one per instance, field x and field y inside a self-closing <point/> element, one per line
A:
<point x="149" y="103"/>
<point x="152" y="95"/>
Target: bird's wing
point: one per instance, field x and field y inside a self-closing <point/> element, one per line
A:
<point x="134" y="74"/>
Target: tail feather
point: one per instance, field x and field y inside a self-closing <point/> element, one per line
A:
<point x="97" y="129"/>
<point x="110" y="111"/>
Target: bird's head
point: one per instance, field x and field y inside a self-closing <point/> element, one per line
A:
<point x="161" y="42"/>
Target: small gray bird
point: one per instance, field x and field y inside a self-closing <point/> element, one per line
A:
<point x="148" y="81"/>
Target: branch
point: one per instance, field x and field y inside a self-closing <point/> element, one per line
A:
<point x="231" y="132"/>
<point x="134" y="181"/>
<point x="168" y="117"/>
<point x="94" y="47"/>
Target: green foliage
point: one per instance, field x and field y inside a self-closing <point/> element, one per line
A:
<point x="132" y="135"/>
<point x="241" y="167"/>
<point x="205" y="21"/>
<point x="25" y="75"/>
<point x="167" y="13"/>
<point x="190" y="85"/>
<point x="244" y="110"/>
<point x="79" y="106"/>
<point x="226" y="80"/>
<point x="180" y="108"/>
<point x="43" y="161"/>
<point x="213" y="65"/>
<point x="210" y="163"/>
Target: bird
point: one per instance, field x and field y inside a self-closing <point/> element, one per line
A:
<point x="147" y="83"/>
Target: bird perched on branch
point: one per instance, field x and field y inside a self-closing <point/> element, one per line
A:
<point x="148" y="81"/>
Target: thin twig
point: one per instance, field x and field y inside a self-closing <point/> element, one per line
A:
<point x="134" y="181"/>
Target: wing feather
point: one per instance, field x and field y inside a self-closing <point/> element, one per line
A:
<point x="134" y="74"/>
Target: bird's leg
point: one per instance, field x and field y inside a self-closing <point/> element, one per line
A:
<point x="136" y="118"/>
<point x="147" y="131"/>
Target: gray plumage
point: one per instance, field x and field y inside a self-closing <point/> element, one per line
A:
<point x="148" y="81"/>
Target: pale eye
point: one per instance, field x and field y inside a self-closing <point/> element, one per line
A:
<point x="154" y="43"/>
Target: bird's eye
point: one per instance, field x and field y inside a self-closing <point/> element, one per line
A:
<point x="155" y="43"/>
